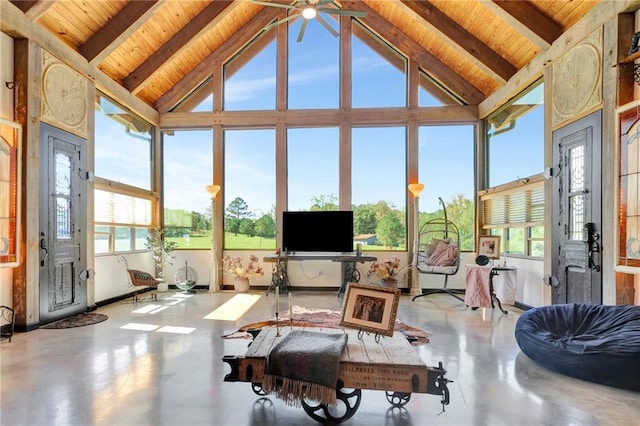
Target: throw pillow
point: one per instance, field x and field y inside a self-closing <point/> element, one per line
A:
<point x="431" y="247"/>
<point x="445" y="254"/>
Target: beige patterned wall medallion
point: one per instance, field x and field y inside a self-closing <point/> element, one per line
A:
<point x="64" y="96"/>
<point x="577" y="79"/>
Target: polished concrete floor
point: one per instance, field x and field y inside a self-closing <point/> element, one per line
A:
<point x="105" y="374"/>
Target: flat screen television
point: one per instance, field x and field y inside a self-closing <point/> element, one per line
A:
<point x="317" y="231"/>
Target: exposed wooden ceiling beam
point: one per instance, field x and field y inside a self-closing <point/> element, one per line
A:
<point x="33" y="10"/>
<point x="118" y="29"/>
<point x="466" y="43"/>
<point x="322" y="117"/>
<point x="525" y="18"/>
<point x="14" y="23"/>
<point x="204" y="69"/>
<point x="429" y="63"/>
<point x="202" y="23"/>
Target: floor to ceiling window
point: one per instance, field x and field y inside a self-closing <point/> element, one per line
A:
<point x="187" y="164"/>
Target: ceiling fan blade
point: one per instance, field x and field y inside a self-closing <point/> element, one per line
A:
<point x="267" y="3"/>
<point x="281" y="21"/>
<point x="302" y="28"/>
<point x="354" y="13"/>
<point x="326" y="25"/>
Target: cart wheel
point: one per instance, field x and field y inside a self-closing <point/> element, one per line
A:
<point x="346" y="406"/>
<point x="257" y="389"/>
<point x="398" y="399"/>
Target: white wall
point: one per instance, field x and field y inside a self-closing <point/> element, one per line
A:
<point x="6" y="112"/>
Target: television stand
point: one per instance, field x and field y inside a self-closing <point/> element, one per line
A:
<point x="350" y="273"/>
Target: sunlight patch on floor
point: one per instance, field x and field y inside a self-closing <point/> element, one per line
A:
<point x="234" y="308"/>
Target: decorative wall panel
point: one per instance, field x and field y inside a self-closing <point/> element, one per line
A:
<point x="64" y="96"/>
<point x="577" y="80"/>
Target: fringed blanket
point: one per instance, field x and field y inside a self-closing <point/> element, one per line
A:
<point x="305" y="364"/>
<point x="477" y="293"/>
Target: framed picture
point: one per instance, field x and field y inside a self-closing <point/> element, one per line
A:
<point x="10" y="135"/>
<point x="370" y="308"/>
<point x="489" y="245"/>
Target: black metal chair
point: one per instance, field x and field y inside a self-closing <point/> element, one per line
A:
<point x="7" y="322"/>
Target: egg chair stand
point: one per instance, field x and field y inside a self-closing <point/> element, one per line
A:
<point x="432" y="233"/>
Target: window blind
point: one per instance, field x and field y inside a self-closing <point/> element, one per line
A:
<point x="120" y="209"/>
<point x="523" y="205"/>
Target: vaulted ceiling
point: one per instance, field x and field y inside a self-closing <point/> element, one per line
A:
<point x="160" y="50"/>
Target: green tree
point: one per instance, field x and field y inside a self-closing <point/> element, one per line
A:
<point x="460" y="211"/>
<point x="364" y="220"/>
<point x="247" y="227"/>
<point x="266" y="226"/>
<point x="390" y="231"/>
<point x="236" y="211"/>
<point x="324" y="202"/>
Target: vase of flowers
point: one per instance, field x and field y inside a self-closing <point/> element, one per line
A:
<point x="240" y="272"/>
<point x="386" y="271"/>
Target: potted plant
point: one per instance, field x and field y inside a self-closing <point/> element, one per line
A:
<point x="386" y="271"/>
<point x="160" y="249"/>
<point x="240" y="272"/>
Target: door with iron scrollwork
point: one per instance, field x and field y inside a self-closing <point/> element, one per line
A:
<point x="63" y="188"/>
<point x="577" y="209"/>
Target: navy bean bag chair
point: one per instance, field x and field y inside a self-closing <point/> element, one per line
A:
<point x="597" y="343"/>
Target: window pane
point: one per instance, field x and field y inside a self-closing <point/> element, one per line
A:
<point x="123" y="144"/>
<point x="536" y="241"/>
<point x="188" y="169"/>
<point x="200" y="100"/>
<point x="313" y="73"/>
<point x="379" y="185"/>
<point x="515" y="241"/>
<point x="122" y="240"/>
<point x="516" y="138"/>
<point x="374" y="62"/>
<point x="141" y="238"/>
<point x="446" y="168"/>
<point x="249" y="189"/>
<point x="102" y="238"/>
<point x="250" y="82"/>
<point x="312" y="153"/>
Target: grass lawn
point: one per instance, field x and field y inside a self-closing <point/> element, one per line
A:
<point x="242" y="242"/>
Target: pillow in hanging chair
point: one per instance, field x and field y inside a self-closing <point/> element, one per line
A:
<point x="431" y="247"/>
<point x="445" y="254"/>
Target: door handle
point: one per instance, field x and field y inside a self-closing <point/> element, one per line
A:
<point x="43" y="246"/>
<point x="593" y="246"/>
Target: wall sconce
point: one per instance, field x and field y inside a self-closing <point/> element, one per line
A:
<point x="416" y="189"/>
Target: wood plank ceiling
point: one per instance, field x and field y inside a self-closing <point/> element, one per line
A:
<point x="160" y="50"/>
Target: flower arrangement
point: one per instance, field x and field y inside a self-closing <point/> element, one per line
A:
<point x="384" y="270"/>
<point x="234" y="266"/>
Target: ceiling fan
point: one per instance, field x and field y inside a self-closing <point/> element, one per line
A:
<point x="309" y="9"/>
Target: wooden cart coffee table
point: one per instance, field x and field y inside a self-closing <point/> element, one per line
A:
<point x="391" y="365"/>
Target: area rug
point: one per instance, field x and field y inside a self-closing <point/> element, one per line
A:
<point x="234" y="308"/>
<point x="305" y="317"/>
<point x="79" y="320"/>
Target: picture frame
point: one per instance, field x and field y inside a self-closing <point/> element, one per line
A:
<point x="489" y="245"/>
<point x="370" y="308"/>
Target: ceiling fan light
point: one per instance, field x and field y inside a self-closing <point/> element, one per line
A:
<point x="309" y="12"/>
